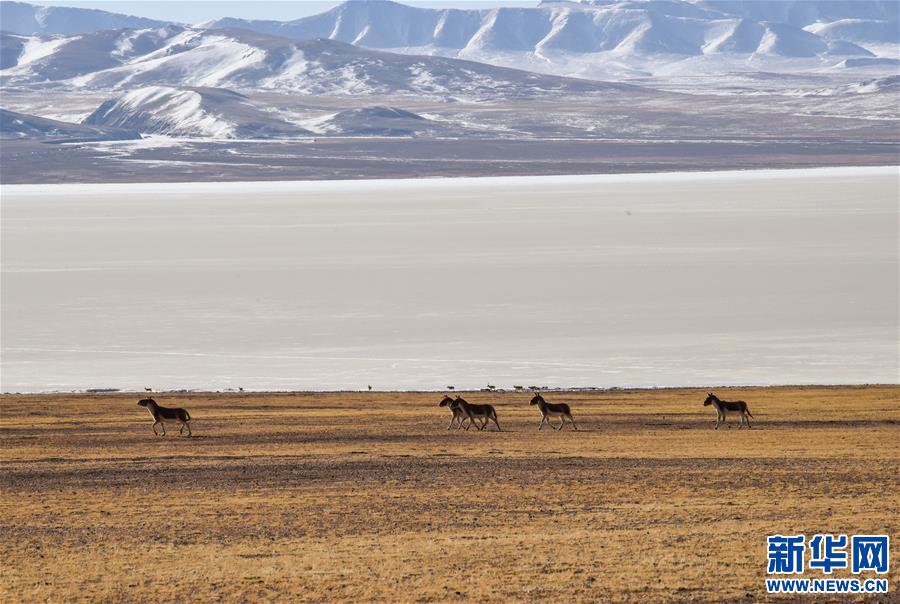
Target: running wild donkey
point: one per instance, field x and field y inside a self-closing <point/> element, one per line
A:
<point x="548" y="410"/>
<point x="161" y="415"/>
<point x="458" y="415"/>
<point x="723" y="408"/>
<point x="485" y="413"/>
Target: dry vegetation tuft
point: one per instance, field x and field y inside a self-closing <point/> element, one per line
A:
<point x="366" y="496"/>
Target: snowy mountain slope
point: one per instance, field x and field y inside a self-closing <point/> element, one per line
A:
<point x="801" y="13"/>
<point x="63" y="57"/>
<point x="24" y="126"/>
<point x="243" y="59"/>
<point x="594" y="39"/>
<point x="191" y="112"/>
<point x="30" y="20"/>
<point x="870" y="33"/>
<point x="11" y="48"/>
<point x="627" y="27"/>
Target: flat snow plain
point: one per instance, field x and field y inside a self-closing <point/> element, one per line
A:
<point x="762" y="277"/>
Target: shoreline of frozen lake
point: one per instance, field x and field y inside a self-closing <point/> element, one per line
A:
<point x="669" y="279"/>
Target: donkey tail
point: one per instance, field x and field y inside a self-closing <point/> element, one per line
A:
<point x="747" y="409"/>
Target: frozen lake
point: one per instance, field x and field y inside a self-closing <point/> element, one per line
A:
<point x="630" y="280"/>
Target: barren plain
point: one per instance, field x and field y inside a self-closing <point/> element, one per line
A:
<point x="368" y="497"/>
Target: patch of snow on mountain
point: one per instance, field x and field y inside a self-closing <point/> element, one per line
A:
<point x="164" y="110"/>
<point x="291" y="72"/>
<point x="35" y="49"/>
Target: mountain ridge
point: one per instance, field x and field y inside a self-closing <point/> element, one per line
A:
<point x="242" y="59"/>
<point x="678" y="26"/>
<point x="593" y="39"/>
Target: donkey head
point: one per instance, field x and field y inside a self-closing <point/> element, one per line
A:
<point x="537" y="399"/>
<point x="445" y="401"/>
<point x="146" y="401"/>
<point x="710" y="399"/>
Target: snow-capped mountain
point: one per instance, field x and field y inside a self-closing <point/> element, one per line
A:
<point x="191" y="112"/>
<point x="58" y="58"/>
<point x="242" y="59"/>
<point x="594" y="39"/>
<point x="617" y="35"/>
<point x="29" y="20"/>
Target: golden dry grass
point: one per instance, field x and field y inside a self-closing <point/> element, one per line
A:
<point x="366" y="497"/>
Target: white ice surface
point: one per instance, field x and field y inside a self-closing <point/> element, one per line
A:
<point x="633" y="280"/>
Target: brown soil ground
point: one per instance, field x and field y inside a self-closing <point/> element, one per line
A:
<point x="367" y="497"/>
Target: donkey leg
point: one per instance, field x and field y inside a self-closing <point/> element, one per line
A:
<point x="154" y="428"/>
<point x="188" y="424"/>
<point x="541" y="425"/>
<point x="496" y="423"/>
<point x="572" y="419"/>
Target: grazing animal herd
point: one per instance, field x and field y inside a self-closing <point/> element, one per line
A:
<point x="463" y="411"/>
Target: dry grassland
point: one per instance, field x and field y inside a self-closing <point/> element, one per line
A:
<point x="367" y="497"/>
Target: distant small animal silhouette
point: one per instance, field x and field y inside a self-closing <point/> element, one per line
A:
<point x="451" y="387"/>
<point x="723" y="408"/>
<point x="148" y="389"/>
<point x="370" y="387"/>
<point x="163" y="414"/>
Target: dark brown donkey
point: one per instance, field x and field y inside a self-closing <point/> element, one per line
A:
<point x="458" y="415"/>
<point x="548" y="410"/>
<point x="723" y="408"/>
<point x="483" y="412"/>
<point x="161" y="415"/>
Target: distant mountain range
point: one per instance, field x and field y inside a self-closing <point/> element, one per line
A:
<point x="242" y="59"/>
<point x="173" y="80"/>
<point x="228" y="78"/>
<point x="30" y="20"/>
<point x="599" y="39"/>
<point x="627" y="26"/>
